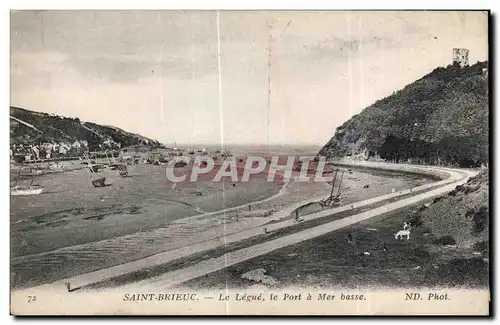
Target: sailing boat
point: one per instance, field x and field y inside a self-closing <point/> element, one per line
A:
<point x="334" y="198"/>
<point x="123" y="171"/>
<point x="97" y="182"/>
<point x="122" y="168"/>
<point x="31" y="189"/>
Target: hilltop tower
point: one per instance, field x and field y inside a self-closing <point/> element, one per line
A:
<point x="461" y="57"/>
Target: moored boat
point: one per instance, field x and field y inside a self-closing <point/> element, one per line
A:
<point x="99" y="182"/>
<point x="26" y="190"/>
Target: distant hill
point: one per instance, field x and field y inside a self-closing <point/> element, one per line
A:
<point x="28" y="127"/>
<point x="441" y="118"/>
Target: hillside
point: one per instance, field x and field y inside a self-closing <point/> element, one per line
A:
<point x="462" y="216"/>
<point x="441" y="118"/>
<point x="28" y="127"/>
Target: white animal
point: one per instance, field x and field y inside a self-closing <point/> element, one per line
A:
<point x="402" y="233"/>
<point x="406" y="226"/>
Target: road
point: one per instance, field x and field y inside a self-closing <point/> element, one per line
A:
<point x="455" y="177"/>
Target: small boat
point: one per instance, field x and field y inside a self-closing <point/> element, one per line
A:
<point x="113" y="166"/>
<point x="31" y="189"/>
<point x="95" y="168"/>
<point x="180" y="164"/>
<point x="56" y="167"/>
<point x="99" y="182"/>
<point x="26" y="190"/>
<point x="37" y="171"/>
<point x="118" y="166"/>
<point x="92" y="171"/>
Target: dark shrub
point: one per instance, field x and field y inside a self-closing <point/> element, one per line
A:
<point x="416" y="220"/>
<point x="459" y="272"/>
<point x="436" y="200"/>
<point x="422" y="208"/>
<point x="422" y="253"/>
<point x="481" y="246"/>
<point x="19" y="159"/>
<point x="480" y="219"/>
<point x="445" y="240"/>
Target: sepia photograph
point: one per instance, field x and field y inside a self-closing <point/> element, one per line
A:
<point x="249" y="162"/>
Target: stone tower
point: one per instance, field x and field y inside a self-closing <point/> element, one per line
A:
<point x="461" y="57"/>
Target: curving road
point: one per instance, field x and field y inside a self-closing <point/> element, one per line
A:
<point x="453" y="177"/>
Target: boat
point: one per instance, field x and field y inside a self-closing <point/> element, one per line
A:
<point x="122" y="168"/>
<point x="31" y="189"/>
<point x="113" y="166"/>
<point x="180" y="164"/>
<point x="26" y="190"/>
<point x="56" y="167"/>
<point x="95" y="168"/>
<point x="99" y="182"/>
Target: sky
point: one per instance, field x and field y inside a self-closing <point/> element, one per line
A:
<point x="196" y="77"/>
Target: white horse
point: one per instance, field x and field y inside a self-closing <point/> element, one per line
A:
<point x="402" y="233"/>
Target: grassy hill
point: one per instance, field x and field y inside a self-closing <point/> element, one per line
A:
<point x="28" y="127"/>
<point x="441" y="118"/>
<point x="461" y="217"/>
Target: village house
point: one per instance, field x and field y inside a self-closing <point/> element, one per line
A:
<point x="63" y="148"/>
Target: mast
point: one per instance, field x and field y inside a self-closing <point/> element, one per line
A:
<point x="32" y="180"/>
<point x="107" y="157"/>
<point x="333" y="184"/>
<point x="340" y="185"/>
<point x="88" y="168"/>
<point x="18" y="176"/>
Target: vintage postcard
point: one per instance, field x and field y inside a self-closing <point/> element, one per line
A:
<point x="219" y="162"/>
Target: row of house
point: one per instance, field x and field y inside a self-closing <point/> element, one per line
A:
<point x="23" y="152"/>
